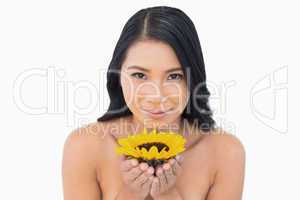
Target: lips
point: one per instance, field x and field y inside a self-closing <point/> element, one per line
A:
<point x="156" y="111"/>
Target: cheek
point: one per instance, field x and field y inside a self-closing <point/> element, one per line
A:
<point x="126" y="88"/>
<point x="129" y="88"/>
<point x="176" y="96"/>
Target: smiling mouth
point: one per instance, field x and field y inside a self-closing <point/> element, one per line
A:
<point x="156" y="112"/>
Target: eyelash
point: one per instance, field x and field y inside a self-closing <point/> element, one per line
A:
<point x="179" y="75"/>
<point x="138" y="73"/>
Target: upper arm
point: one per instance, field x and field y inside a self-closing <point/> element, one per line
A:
<point x="229" y="177"/>
<point x="79" y="169"/>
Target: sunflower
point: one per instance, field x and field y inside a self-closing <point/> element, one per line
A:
<point x="153" y="148"/>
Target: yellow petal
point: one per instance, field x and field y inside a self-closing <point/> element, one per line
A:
<point x="145" y="153"/>
<point x="127" y="151"/>
<point x="153" y="153"/>
<point x="175" y="143"/>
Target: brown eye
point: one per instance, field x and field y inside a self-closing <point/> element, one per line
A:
<point x="175" y="77"/>
<point x="138" y="75"/>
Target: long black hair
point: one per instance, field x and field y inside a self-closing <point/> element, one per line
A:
<point x="173" y="27"/>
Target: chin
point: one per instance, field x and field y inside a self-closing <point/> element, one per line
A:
<point x="161" y="121"/>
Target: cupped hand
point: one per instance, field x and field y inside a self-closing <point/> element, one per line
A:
<point x="137" y="177"/>
<point x="166" y="176"/>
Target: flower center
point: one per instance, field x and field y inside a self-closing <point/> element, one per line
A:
<point x="159" y="146"/>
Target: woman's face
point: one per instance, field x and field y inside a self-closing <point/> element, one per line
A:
<point x="152" y="81"/>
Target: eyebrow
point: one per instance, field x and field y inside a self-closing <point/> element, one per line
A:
<point x="147" y="70"/>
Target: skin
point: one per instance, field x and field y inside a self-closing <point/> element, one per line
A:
<point x="212" y="167"/>
<point x="140" y="180"/>
<point x="148" y="83"/>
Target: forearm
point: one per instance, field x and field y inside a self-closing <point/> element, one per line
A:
<point x="173" y="194"/>
<point x="125" y="195"/>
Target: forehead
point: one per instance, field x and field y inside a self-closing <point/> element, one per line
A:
<point x="151" y="54"/>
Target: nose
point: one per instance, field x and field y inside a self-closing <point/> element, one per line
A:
<point x="152" y="93"/>
<point x="152" y="88"/>
<point x="155" y="100"/>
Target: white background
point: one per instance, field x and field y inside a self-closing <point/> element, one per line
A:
<point x="251" y="45"/>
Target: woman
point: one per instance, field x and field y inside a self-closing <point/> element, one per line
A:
<point x="156" y="79"/>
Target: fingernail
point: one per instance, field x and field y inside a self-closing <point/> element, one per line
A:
<point x="159" y="171"/>
<point x="166" y="166"/>
<point x="172" y="161"/>
<point x="179" y="158"/>
<point x="143" y="166"/>
<point x="150" y="170"/>
<point x="134" y="162"/>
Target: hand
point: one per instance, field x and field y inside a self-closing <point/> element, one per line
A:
<point x="137" y="177"/>
<point x="166" y="177"/>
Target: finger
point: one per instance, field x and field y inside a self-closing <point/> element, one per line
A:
<point x="147" y="184"/>
<point x="179" y="158"/>
<point x="170" y="176"/>
<point x="144" y="166"/>
<point x="172" y="164"/>
<point x="126" y="165"/>
<point x="171" y="161"/>
<point x="176" y="168"/>
<point x="140" y="180"/>
<point x="166" y="166"/>
<point x="162" y="178"/>
<point x="134" y="173"/>
<point x="155" y="187"/>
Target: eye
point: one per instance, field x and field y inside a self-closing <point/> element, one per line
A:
<point x="138" y="75"/>
<point x="176" y="77"/>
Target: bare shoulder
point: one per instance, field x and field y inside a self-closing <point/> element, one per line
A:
<point x="86" y="146"/>
<point x="225" y="144"/>
<point x="86" y="135"/>
<point x="227" y="151"/>
<point x="229" y="159"/>
<point x="81" y="157"/>
<point x="89" y="142"/>
<point x="83" y="144"/>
